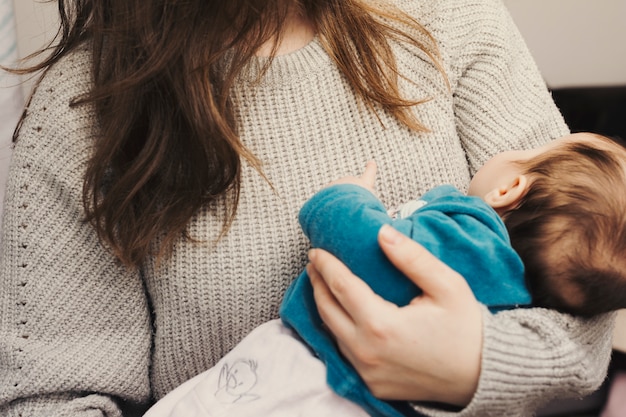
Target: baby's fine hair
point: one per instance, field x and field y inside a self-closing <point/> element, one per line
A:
<point x="570" y="227"/>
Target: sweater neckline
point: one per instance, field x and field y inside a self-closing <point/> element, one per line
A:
<point x="283" y="69"/>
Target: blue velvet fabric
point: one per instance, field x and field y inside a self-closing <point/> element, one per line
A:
<point x="462" y="231"/>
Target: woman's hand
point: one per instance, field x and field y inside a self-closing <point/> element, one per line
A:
<point x="429" y="350"/>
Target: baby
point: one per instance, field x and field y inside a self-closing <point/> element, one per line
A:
<point x="542" y="227"/>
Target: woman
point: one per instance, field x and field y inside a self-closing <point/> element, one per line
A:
<point x="158" y="170"/>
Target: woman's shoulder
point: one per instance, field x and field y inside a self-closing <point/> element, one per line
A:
<point x="454" y="20"/>
<point x="52" y="113"/>
<point x="467" y="30"/>
<point x="418" y="8"/>
<point x="65" y="81"/>
<point x="454" y="23"/>
<point x="55" y="133"/>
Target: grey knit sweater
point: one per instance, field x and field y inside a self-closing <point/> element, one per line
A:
<point x="80" y="336"/>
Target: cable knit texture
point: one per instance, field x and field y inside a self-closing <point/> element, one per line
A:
<point x="80" y="336"/>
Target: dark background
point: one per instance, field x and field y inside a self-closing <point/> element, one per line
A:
<point x="600" y="110"/>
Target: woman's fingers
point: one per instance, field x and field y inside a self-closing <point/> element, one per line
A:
<point x="341" y="296"/>
<point x="331" y="312"/>
<point x="422" y="267"/>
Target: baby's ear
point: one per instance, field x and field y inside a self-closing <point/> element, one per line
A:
<point x="507" y="196"/>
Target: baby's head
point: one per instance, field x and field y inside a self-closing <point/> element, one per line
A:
<point x="564" y="205"/>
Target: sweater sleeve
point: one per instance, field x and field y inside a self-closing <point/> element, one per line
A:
<point x="74" y="324"/>
<point x="500" y="99"/>
<point x="530" y="356"/>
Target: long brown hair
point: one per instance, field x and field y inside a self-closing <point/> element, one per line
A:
<point x="169" y="143"/>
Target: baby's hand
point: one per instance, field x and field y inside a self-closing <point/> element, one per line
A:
<point x="366" y="180"/>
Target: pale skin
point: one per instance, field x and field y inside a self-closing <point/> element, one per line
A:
<point x="297" y="33"/>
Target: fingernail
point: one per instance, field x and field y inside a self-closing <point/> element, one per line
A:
<point x="312" y="255"/>
<point x="389" y="234"/>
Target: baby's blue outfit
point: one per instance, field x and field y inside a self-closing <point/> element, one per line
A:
<point x="462" y="231"/>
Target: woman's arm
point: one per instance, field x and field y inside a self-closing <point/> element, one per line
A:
<point x="75" y="331"/>
<point x="501" y="101"/>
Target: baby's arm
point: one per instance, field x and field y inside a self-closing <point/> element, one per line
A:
<point x="367" y="180"/>
<point x="344" y="219"/>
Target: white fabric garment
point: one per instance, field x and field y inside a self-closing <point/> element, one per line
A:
<point x="270" y="373"/>
<point x="11" y="97"/>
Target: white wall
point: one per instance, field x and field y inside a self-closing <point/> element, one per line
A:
<point x="575" y="42"/>
<point x="11" y="96"/>
<point x="37" y="23"/>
